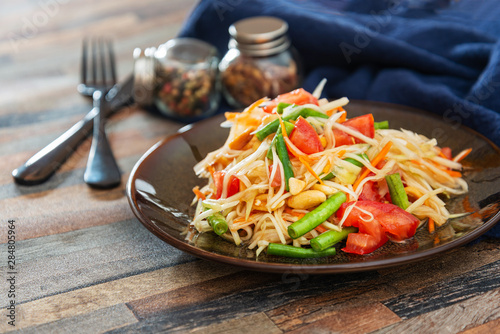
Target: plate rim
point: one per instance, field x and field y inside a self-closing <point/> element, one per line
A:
<point x="273" y="267"/>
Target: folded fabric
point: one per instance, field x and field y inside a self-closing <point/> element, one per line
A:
<point x="437" y="55"/>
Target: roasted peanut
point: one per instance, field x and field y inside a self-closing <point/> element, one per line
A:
<point x="306" y="199"/>
<point x="324" y="189"/>
<point x="296" y="185"/>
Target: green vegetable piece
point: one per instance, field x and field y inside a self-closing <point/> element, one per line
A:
<point x="298" y="252"/>
<point x="397" y="191"/>
<point x="284" y="158"/>
<point x="330" y="238"/>
<point x="312" y="219"/>
<point x="288" y="128"/>
<point x="381" y="125"/>
<point x="281" y="106"/>
<point x="328" y="176"/>
<point x="356" y="162"/>
<point x="271" y="127"/>
<point x="218" y="223"/>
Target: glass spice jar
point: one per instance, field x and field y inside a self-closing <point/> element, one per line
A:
<point x="260" y="61"/>
<point x="179" y="78"/>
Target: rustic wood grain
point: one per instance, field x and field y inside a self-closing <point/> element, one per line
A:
<point x="89" y="299"/>
<point x="454" y="318"/>
<point x="190" y="296"/>
<point x="93" y="322"/>
<point x="446" y="292"/>
<point x="384" y="287"/>
<point x="362" y="319"/>
<point x="69" y="261"/>
<point x="491" y="327"/>
<point x="253" y="324"/>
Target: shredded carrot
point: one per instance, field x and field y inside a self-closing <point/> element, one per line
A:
<point x="333" y="111"/>
<point x="442" y="155"/>
<point x="453" y="173"/>
<point x="342" y="118"/>
<point x="211" y="171"/>
<point x="239" y="220"/>
<point x="448" y="171"/>
<point x="305" y="163"/>
<point x="241" y="140"/>
<point x="320" y="229"/>
<point x="294" y="213"/>
<point x="467" y="152"/>
<point x="256" y="104"/>
<point x="430" y="224"/>
<point x="199" y="194"/>
<point x="230" y="115"/>
<point x="327" y="167"/>
<point x="379" y="157"/>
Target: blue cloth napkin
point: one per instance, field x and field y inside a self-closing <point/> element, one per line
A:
<point x="437" y="55"/>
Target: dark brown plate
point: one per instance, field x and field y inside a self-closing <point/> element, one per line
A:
<point x="159" y="192"/>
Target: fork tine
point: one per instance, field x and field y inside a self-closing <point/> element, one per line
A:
<point x="83" y="65"/>
<point x="102" y="57"/>
<point x="112" y="61"/>
<point x="94" y="61"/>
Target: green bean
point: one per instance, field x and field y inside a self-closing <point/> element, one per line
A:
<point x="218" y="223"/>
<point x="281" y="106"/>
<point x="356" y="162"/>
<point x="271" y="127"/>
<point x="292" y="251"/>
<point x="381" y="125"/>
<point x="330" y="238"/>
<point x="397" y="191"/>
<point x="284" y="158"/>
<point x="288" y="128"/>
<point x="312" y="219"/>
<point x="328" y="176"/>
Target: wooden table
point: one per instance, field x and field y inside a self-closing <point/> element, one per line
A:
<point x="84" y="263"/>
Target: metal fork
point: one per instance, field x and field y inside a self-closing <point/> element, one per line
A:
<point x="102" y="170"/>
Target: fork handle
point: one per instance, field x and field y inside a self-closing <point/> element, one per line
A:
<point x="102" y="169"/>
<point x="44" y="163"/>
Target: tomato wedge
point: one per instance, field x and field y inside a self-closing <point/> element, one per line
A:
<point x="298" y="97"/>
<point x="363" y="124"/>
<point x="305" y="137"/>
<point x="375" y="191"/>
<point x="389" y="221"/>
<point x="276" y="182"/>
<point x="233" y="185"/>
<point x="447" y="152"/>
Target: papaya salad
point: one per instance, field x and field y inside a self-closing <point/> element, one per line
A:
<point x="297" y="175"/>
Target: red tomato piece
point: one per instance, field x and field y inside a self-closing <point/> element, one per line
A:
<point x="446" y="152"/>
<point x="363" y="243"/>
<point x="375" y="191"/>
<point x="298" y="97"/>
<point x="305" y="137"/>
<point x="363" y="124"/>
<point x="233" y="185"/>
<point x="389" y="220"/>
<point x="276" y="182"/>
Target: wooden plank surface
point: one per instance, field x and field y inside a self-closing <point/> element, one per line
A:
<point x="85" y="264"/>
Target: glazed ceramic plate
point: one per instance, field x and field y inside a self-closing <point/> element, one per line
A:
<point x="159" y="192"/>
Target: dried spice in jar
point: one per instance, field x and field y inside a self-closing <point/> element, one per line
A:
<point x="180" y="78"/>
<point x="260" y="61"/>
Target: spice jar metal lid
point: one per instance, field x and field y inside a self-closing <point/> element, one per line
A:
<point x="262" y="49"/>
<point x="260" y="29"/>
<point x="187" y="51"/>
